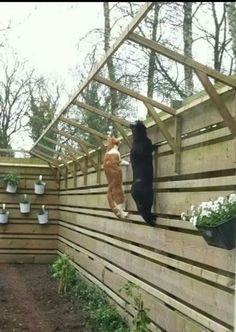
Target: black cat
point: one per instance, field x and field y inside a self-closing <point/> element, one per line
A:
<point x="142" y="166"/>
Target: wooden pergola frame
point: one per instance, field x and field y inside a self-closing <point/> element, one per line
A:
<point x="203" y="73"/>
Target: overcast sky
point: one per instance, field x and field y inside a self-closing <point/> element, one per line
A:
<point x="46" y="33"/>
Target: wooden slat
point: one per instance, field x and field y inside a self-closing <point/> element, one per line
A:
<point x="148" y="271"/>
<point x="228" y="119"/>
<point x="131" y="27"/>
<point x="166" y="317"/>
<point x="134" y="94"/>
<point x="99" y="112"/>
<point x="76" y="124"/>
<point x="161" y="126"/>
<point x="183" y="59"/>
<point x="174" y="263"/>
<point x="169" y="300"/>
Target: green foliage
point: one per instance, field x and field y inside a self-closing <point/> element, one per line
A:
<point x="102" y="317"/>
<point x="3" y="209"/>
<point x="63" y="271"/>
<point x="141" y="321"/>
<point x="24" y="199"/>
<point x="42" y="210"/>
<point x="11" y="178"/>
<point x="40" y="181"/>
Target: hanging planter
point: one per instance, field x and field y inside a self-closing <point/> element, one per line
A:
<point x="216" y="221"/>
<point x="24" y="204"/>
<point x="42" y="216"/>
<point x="39" y="186"/>
<point x="11" y="181"/>
<point x="4" y="215"/>
<point x="222" y="235"/>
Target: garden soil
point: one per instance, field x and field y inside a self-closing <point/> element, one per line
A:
<point x="29" y="302"/>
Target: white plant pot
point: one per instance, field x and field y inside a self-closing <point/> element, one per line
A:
<point x="3" y="218"/>
<point x="43" y="218"/>
<point x="39" y="189"/>
<point x="24" y="207"/>
<point x="11" y="189"/>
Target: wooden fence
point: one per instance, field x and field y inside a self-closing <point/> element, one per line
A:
<point x="22" y="239"/>
<point x="187" y="284"/>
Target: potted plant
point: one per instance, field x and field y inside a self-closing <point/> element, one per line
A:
<point x="24" y="204"/>
<point x="39" y="186"/>
<point x="11" y="180"/>
<point x="4" y="214"/>
<point x="216" y="221"/>
<point x="42" y="215"/>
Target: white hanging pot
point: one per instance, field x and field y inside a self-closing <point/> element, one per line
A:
<point x="43" y="218"/>
<point x="24" y="207"/>
<point x="3" y="218"/>
<point x="39" y="189"/>
<point x="11" y="188"/>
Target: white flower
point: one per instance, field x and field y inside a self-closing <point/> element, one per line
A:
<point x="43" y="207"/>
<point x="232" y="198"/>
<point x="220" y="200"/>
<point x="183" y="216"/>
<point x="193" y="220"/>
<point x="40" y="177"/>
<point x="192" y="207"/>
<point x="3" y="206"/>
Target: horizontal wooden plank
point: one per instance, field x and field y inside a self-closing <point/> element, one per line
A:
<point x="188" y="246"/>
<point x="215" y="302"/>
<point x="198" y="183"/>
<point x="28" y="229"/>
<point x="29" y="243"/>
<point x="166" y="316"/>
<point x="28" y="258"/>
<point x="71" y="249"/>
<point x="34" y="199"/>
<point x="159" y="258"/>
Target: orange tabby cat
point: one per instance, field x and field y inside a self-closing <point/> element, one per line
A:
<point x="113" y="172"/>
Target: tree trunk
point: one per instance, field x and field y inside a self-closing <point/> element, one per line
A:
<point x="231" y="16"/>
<point x="152" y="57"/>
<point x="110" y="64"/>
<point x="188" y="42"/>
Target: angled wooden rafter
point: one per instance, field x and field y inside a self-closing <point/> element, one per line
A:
<point x="73" y="138"/>
<point x="134" y="94"/>
<point x="62" y="155"/>
<point x="217" y="101"/>
<point x="95" y="110"/>
<point x="98" y="136"/>
<point x="83" y="145"/>
<point x="131" y="27"/>
<point x="161" y="126"/>
<point x="118" y="122"/>
<point x="64" y="146"/>
<point x="183" y="59"/>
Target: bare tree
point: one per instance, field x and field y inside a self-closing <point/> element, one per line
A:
<point x="188" y="43"/>
<point x="231" y="15"/>
<point x="14" y="99"/>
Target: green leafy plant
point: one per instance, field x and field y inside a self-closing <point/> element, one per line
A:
<point x="141" y="320"/>
<point x="24" y="199"/>
<point x="3" y="210"/>
<point x="102" y="317"/>
<point x="41" y="210"/>
<point x="12" y="179"/>
<point x="212" y="213"/>
<point x="65" y="272"/>
<point x="39" y="181"/>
